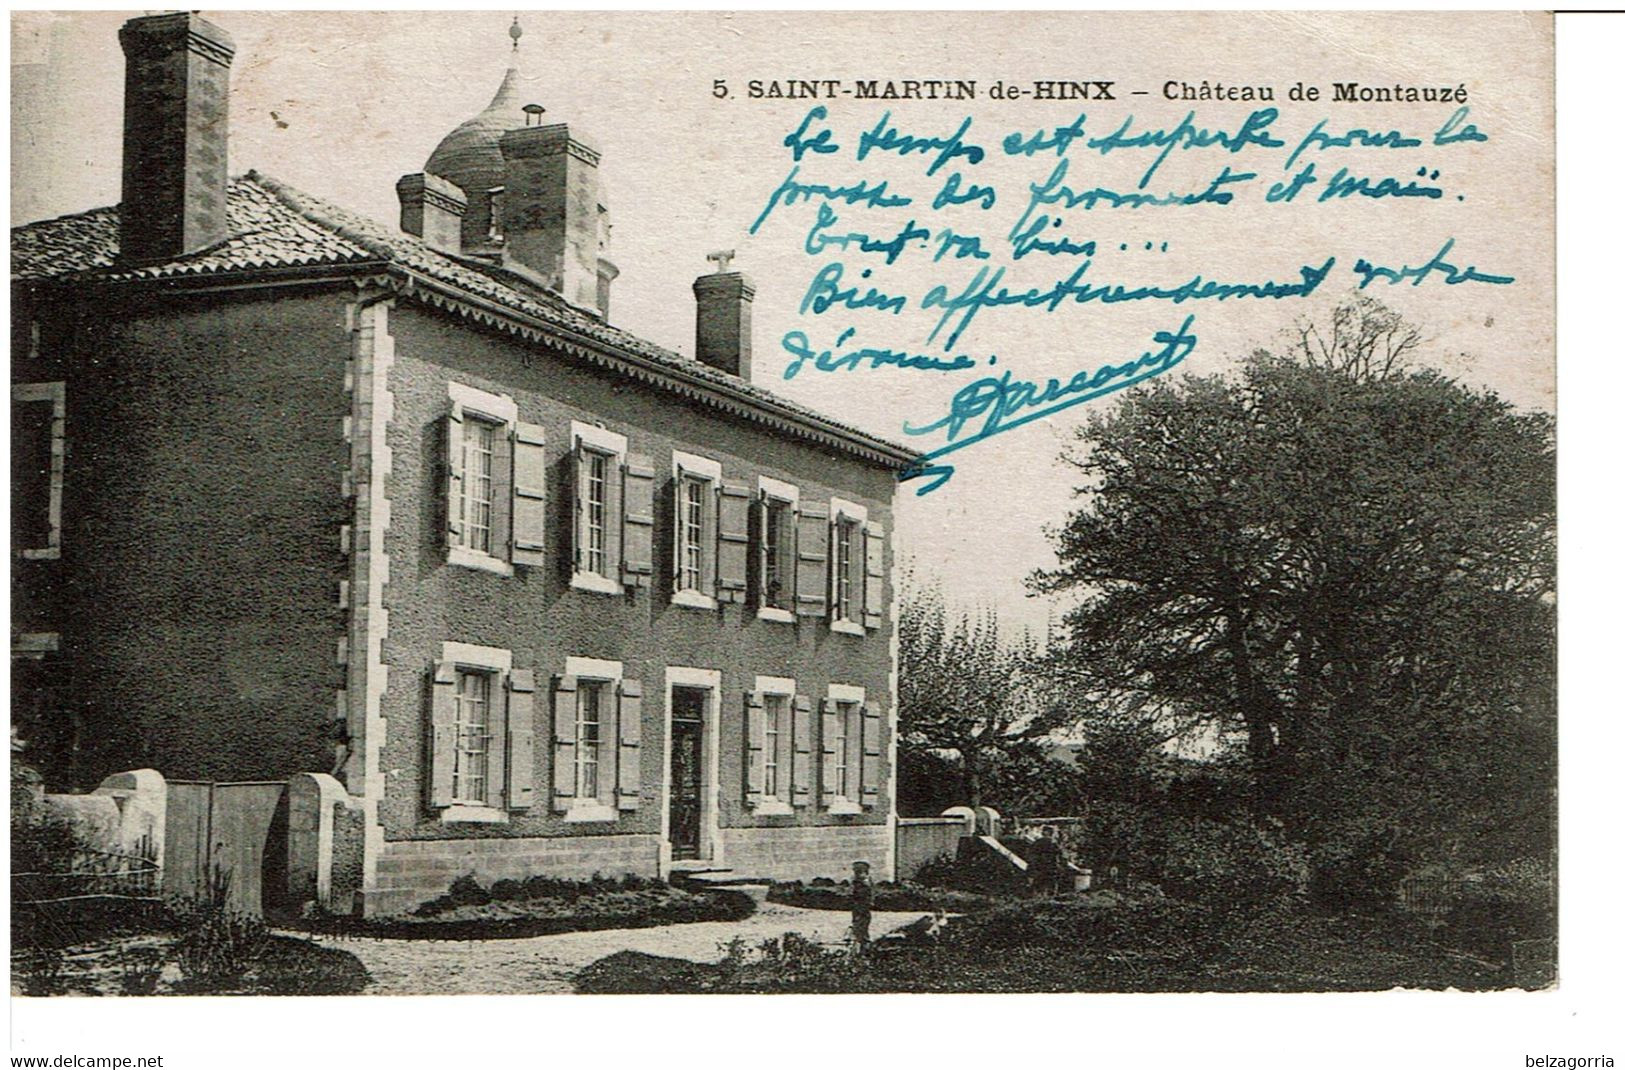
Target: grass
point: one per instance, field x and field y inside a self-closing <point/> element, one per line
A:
<point x="147" y="964"/>
<point x="1091" y="943"/>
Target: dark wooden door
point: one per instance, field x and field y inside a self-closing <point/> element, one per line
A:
<point x="687" y="737"/>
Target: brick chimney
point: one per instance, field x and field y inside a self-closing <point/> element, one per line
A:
<point x="176" y="85"/>
<point x="432" y="208"/>
<point x="722" y="318"/>
<point x="550" y="227"/>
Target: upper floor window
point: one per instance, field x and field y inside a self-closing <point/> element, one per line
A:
<point x="697" y="483"/>
<point x="38" y="443"/>
<point x="495" y="483"/>
<point x="597" y="518"/>
<point x="479" y="453"/>
<point x="847" y="567"/>
<point x="776" y="549"/>
<point x="605" y="498"/>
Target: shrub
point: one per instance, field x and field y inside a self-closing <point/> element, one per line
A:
<point x="1232" y="863"/>
<point x="1487" y="920"/>
<point x="139" y="969"/>
<point x="217" y="945"/>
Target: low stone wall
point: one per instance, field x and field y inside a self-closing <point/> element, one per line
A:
<point x="925" y="839"/>
<point x="410" y="872"/>
<point x="808" y="852"/>
<point x="124" y="815"/>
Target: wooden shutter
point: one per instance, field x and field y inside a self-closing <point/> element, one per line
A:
<point x="874" y="581"/>
<point x="638" y="511"/>
<point x="529" y="495"/>
<point x="677" y="528"/>
<point x="564" y="741"/>
<point x="827" y="731"/>
<point x="442" y="732"/>
<point x="629" y="754"/>
<point x="872" y="758"/>
<point x="452" y="462"/>
<point x="812" y="560"/>
<point x="755" y="747"/>
<point x="801" y="754"/>
<point x="733" y="541"/>
<point x="521" y="738"/>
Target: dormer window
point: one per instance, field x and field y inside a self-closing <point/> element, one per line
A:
<point x="493" y="232"/>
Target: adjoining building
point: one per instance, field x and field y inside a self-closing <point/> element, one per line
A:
<point x="296" y="491"/>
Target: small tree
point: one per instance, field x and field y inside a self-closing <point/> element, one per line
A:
<point x="964" y="687"/>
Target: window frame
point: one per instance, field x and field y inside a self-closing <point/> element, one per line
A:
<point x="594" y="440"/>
<point x="497" y="664"/>
<point x="847" y="523"/>
<point x="56" y="394"/>
<point x="460" y="795"/>
<point x="589" y="759"/>
<point x="687" y="470"/>
<point x="605" y="677"/>
<point x="783" y="688"/>
<point x="501" y="413"/>
<point x="849" y="702"/>
<point x="773" y="494"/>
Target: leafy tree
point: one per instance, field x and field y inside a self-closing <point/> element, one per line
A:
<point x="1340" y="564"/>
<point x="966" y="688"/>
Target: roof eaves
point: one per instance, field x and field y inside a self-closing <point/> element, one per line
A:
<point x="441" y="293"/>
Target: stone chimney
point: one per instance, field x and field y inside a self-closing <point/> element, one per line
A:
<point x="432" y="208"/>
<point x="722" y="318"/>
<point x="550" y="227"/>
<point x="176" y="85"/>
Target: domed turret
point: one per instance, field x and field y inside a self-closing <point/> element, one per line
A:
<point x="470" y="155"/>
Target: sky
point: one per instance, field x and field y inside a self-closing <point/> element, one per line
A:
<point x="341" y="104"/>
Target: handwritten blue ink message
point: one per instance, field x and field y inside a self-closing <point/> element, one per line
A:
<point x="929" y="239"/>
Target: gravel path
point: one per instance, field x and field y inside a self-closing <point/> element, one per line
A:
<point x="547" y="963"/>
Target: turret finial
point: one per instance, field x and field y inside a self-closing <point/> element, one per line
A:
<point x="516" y="31"/>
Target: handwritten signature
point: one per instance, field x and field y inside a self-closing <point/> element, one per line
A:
<point x="996" y="404"/>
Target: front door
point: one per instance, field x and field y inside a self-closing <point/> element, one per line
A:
<point x="687" y="737"/>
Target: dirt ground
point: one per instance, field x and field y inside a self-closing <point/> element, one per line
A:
<point x="547" y="963"/>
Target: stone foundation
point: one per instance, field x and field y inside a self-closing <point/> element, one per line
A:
<point x="808" y="852"/>
<point x="411" y="872"/>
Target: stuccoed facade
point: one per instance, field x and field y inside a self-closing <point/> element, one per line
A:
<point x="326" y="494"/>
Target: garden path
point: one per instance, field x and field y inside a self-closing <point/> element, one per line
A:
<point x="538" y="964"/>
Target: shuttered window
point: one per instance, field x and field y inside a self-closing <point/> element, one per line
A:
<point x="589" y="726"/>
<point x="473" y="722"/>
<point x="842" y="745"/>
<point x="776" y="550"/>
<point x="480" y="739"/>
<point x="478" y="455"/>
<point x="602" y="477"/>
<point x="696" y="488"/>
<point x="494" y="490"/>
<point x="597" y="512"/>
<point x="691" y="532"/>
<point x="775" y="721"/>
<point x="844" y="587"/>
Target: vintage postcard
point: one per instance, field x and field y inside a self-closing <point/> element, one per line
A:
<point x="703" y="502"/>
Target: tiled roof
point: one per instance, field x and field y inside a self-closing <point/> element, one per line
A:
<point x="274" y="226"/>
